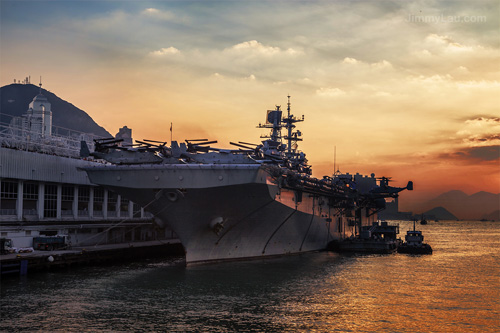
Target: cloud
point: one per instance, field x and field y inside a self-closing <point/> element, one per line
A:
<point x="474" y="154"/>
<point x="350" y="61"/>
<point x="381" y="65"/>
<point x="483" y="84"/>
<point x="480" y="131"/>
<point x="446" y="44"/>
<point x="255" y="48"/>
<point x="156" y="13"/>
<point x="163" y="15"/>
<point x="484" y="138"/>
<point x="488" y="153"/>
<point x="484" y="120"/>
<point x="250" y="59"/>
<point x="330" y="92"/>
<point x="165" y="51"/>
<point x="440" y="54"/>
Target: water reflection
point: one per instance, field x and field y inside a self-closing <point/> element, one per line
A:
<point x="455" y="289"/>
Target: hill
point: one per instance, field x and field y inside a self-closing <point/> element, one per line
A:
<point x="493" y="216"/>
<point x="467" y="207"/>
<point x="15" y="98"/>
<point x="440" y="213"/>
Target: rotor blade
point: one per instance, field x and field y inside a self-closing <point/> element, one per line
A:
<point x="144" y="143"/>
<point x="162" y="142"/>
<point x="107" y="141"/>
<point x="247" y="143"/>
<point x="238" y="145"/>
<point x="196" y="140"/>
<point x="205" y="143"/>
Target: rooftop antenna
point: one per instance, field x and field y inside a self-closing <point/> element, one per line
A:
<point x="288" y="105"/>
<point x="40" y="84"/>
<point x="170" y="132"/>
<point x="334" y="160"/>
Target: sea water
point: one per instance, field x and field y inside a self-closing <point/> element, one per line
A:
<point x="456" y="289"/>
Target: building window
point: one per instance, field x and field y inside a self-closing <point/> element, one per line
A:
<point x="83" y="193"/>
<point x="50" y="203"/>
<point x="136" y="210"/>
<point x="67" y="195"/>
<point x="30" y="191"/>
<point x="98" y="200"/>
<point x="8" y="190"/>
<point x="83" y="200"/>
<point x="8" y="195"/>
<point x="30" y="198"/>
<point x="112" y="199"/>
<point x="124" y="204"/>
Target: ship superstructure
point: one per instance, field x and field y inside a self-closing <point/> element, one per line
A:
<point x="254" y="201"/>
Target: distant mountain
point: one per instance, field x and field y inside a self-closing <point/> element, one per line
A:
<point x="440" y="213"/>
<point x="493" y="216"/>
<point x="451" y="196"/>
<point x="466" y="207"/>
<point x="15" y="99"/>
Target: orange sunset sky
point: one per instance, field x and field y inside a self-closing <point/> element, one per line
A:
<point x="408" y="89"/>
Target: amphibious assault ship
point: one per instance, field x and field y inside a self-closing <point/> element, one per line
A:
<point x="254" y="201"/>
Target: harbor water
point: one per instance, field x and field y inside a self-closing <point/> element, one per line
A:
<point x="456" y="289"/>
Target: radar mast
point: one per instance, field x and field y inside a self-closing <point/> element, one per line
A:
<point x="274" y="144"/>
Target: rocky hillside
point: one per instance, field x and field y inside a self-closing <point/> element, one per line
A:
<point x="15" y="99"/>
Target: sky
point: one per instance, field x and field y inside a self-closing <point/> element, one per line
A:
<point x="408" y="89"/>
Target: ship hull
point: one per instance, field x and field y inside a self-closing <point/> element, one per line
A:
<point x="227" y="213"/>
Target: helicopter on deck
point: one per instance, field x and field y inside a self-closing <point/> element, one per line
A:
<point x="389" y="191"/>
<point x="109" y="149"/>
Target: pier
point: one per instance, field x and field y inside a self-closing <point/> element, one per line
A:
<point x="26" y="263"/>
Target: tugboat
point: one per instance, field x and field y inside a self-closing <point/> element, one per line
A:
<point x="414" y="243"/>
<point x="423" y="220"/>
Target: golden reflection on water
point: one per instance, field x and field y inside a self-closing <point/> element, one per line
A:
<point x="457" y="289"/>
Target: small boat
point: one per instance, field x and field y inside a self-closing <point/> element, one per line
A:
<point x="377" y="238"/>
<point x="423" y="220"/>
<point x="414" y="243"/>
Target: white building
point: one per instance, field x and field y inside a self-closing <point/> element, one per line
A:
<point x="38" y="119"/>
